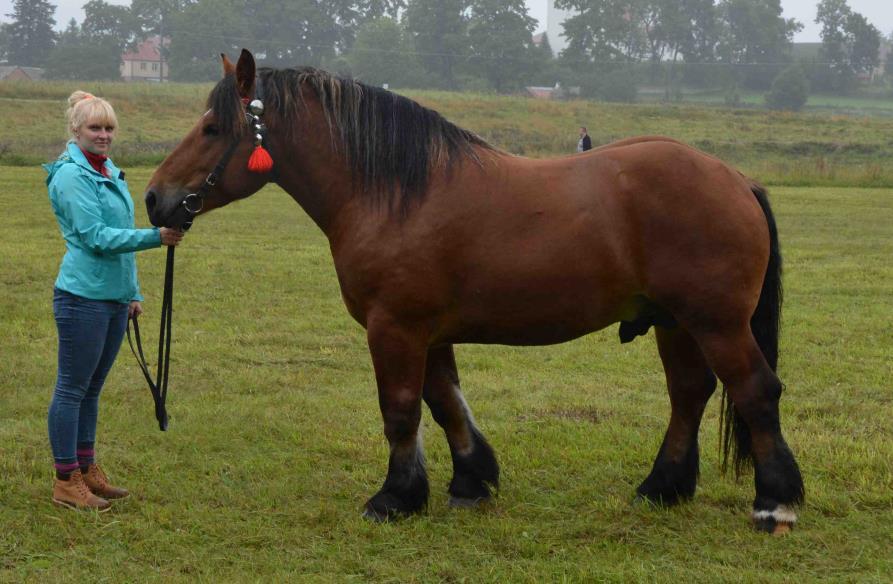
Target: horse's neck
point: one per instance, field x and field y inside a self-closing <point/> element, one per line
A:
<point x="314" y="175"/>
<point x="319" y="178"/>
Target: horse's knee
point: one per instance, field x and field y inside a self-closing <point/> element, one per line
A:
<point x="401" y="411"/>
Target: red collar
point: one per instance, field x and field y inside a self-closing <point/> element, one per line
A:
<point x="97" y="161"/>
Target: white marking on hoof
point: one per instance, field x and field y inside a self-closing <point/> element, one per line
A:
<point x="781" y="514"/>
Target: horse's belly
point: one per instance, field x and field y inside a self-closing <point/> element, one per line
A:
<point x="542" y="322"/>
<point x="550" y="334"/>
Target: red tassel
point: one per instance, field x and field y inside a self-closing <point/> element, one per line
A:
<point x="260" y="161"/>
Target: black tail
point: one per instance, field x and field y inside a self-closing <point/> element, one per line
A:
<point x="765" y="324"/>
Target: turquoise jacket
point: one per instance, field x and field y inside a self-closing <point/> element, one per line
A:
<point x="95" y="215"/>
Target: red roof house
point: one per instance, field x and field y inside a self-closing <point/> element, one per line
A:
<point x="146" y="62"/>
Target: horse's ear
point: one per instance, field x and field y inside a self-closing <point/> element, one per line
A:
<point x="245" y="70"/>
<point x="228" y="67"/>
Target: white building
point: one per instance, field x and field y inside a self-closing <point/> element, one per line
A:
<point x="146" y="62"/>
<point x="554" y="29"/>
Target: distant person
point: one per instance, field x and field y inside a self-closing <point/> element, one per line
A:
<point x="95" y="293"/>
<point x="585" y="142"/>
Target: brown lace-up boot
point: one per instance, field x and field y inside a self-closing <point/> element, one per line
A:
<point x="98" y="483"/>
<point x="75" y="494"/>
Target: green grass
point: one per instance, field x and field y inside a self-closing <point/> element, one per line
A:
<point x="817" y="103"/>
<point x="276" y="440"/>
<point x="814" y="148"/>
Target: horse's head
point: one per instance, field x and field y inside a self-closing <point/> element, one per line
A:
<point x="220" y="144"/>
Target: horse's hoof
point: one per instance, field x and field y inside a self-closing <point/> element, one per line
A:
<point x="468" y="503"/>
<point x="781" y="521"/>
<point x="375" y="516"/>
<point x="384" y="507"/>
<point x="773" y="527"/>
<point x="641" y="501"/>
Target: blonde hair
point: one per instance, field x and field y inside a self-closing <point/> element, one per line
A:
<point x="85" y="108"/>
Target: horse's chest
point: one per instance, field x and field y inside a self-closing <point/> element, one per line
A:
<point x="352" y="294"/>
<point x="402" y="287"/>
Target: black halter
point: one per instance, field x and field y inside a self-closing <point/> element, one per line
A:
<point x="193" y="204"/>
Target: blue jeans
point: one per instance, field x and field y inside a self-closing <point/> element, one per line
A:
<point x="90" y="334"/>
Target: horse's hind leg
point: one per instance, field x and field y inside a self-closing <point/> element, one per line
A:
<point x="755" y="390"/>
<point x="690" y="383"/>
<point x="475" y="470"/>
<point x="398" y="356"/>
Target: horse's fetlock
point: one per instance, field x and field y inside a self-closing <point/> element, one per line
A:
<point x="476" y="474"/>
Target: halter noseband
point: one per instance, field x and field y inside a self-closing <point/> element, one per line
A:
<point x="260" y="160"/>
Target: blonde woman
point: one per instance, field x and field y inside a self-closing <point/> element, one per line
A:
<point x="95" y="293"/>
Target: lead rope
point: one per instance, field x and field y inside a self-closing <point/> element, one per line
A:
<point x="260" y="162"/>
<point x="159" y="386"/>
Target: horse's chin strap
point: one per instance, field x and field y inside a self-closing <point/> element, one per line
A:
<point x="195" y="202"/>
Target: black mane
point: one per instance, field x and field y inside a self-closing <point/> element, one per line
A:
<point x="391" y="143"/>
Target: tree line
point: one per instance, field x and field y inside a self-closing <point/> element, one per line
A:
<point x="613" y="45"/>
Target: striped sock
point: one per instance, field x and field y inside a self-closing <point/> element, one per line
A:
<point x="86" y="455"/>
<point x="64" y="469"/>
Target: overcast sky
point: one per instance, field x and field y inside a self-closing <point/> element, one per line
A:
<point x="878" y="12"/>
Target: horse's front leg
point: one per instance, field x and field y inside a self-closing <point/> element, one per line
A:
<point x="399" y="355"/>
<point x="475" y="471"/>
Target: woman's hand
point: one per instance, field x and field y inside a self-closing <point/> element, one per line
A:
<point x="135" y="309"/>
<point x="171" y="237"/>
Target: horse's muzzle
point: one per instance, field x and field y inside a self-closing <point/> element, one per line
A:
<point x="166" y="211"/>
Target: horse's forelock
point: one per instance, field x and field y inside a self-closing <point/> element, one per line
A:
<point x="224" y="101"/>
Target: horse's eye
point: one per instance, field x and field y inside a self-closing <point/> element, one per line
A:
<point x="211" y="130"/>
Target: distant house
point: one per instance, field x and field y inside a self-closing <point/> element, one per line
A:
<point x="541" y="92"/>
<point x="146" y="62"/>
<point x="16" y="73"/>
<point x="557" y="92"/>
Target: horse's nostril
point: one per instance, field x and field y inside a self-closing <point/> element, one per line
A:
<point x="150" y="201"/>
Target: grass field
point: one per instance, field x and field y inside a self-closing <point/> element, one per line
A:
<point x="817" y="103"/>
<point x="809" y="149"/>
<point x="276" y="440"/>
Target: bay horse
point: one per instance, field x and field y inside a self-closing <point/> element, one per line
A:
<point x="439" y="238"/>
